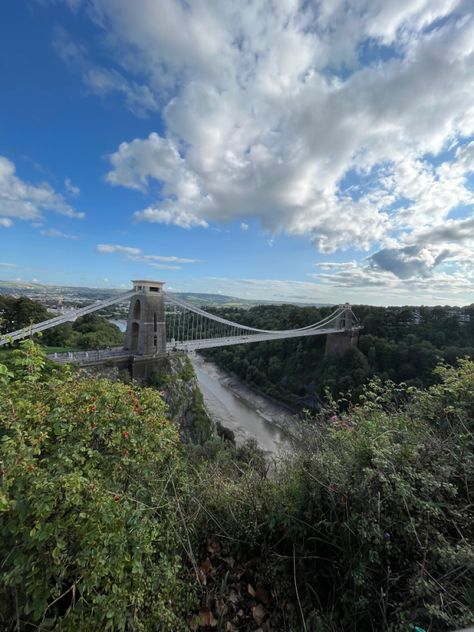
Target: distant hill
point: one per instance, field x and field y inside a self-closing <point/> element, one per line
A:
<point x="82" y="294"/>
<point x="38" y="290"/>
<point x="222" y="300"/>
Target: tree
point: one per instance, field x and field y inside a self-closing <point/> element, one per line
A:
<point x="19" y="313"/>
<point x="96" y="332"/>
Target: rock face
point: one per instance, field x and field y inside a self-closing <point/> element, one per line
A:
<point x="177" y="383"/>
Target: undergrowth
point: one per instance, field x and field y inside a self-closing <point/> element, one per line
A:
<point x="108" y="522"/>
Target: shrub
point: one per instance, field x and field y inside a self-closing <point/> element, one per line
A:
<point x="368" y="526"/>
<point x="88" y="538"/>
<point x="372" y="519"/>
<point x="187" y="371"/>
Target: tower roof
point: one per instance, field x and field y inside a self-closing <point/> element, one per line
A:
<point x="148" y="286"/>
<point x="147" y="282"/>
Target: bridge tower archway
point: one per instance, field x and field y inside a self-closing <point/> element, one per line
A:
<point x="135" y="337"/>
<point x="137" y="310"/>
<point x="146" y="332"/>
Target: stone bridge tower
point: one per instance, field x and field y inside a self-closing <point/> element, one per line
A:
<point x="146" y="333"/>
<point x="338" y="343"/>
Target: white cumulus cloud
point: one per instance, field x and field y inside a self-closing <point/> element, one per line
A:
<point x="22" y="200"/>
<point x="262" y="121"/>
<point x="101" y="81"/>
<point x="71" y="188"/>
<point x="346" y="122"/>
<point x="163" y="258"/>
<point x="111" y="248"/>
<point x="160" y="262"/>
<point x="53" y="232"/>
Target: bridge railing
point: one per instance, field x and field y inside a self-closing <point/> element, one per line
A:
<point x="82" y="357"/>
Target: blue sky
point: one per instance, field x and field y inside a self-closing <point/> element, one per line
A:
<point x="275" y="150"/>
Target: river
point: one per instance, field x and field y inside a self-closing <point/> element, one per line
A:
<point x="238" y="408"/>
<point x="121" y="324"/>
<point x="247" y="414"/>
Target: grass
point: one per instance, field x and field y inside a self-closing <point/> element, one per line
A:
<point x="6" y="352"/>
<point x="60" y="349"/>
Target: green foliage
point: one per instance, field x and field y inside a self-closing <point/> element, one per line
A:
<point x="95" y="332"/>
<point x="176" y="380"/>
<point x="28" y="362"/>
<point x="16" y="313"/>
<point x="187" y="371"/>
<point x="160" y="379"/>
<point x="89" y="532"/>
<point x="392" y="345"/>
<point x="88" y="332"/>
<point x="374" y="516"/>
<point x="5" y="375"/>
<point x="201" y="422"/>
<point x="368" y="526"/>
<point x="62" y="336"/>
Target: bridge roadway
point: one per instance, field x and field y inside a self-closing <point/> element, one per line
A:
<point x="209" y="343"/>
<point x="117" y="353"/>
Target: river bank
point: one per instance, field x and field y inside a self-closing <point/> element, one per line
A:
<point x="247" y="414"/>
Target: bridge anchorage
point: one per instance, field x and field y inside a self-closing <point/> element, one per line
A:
<point x="160" y="323"/>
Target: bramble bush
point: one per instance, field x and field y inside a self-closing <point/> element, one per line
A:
<point x="91" y="474"/>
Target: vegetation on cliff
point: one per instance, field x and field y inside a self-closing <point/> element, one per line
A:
<point x="109" y="522"/>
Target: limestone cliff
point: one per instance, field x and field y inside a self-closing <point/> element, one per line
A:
<point x="177" y="383"/>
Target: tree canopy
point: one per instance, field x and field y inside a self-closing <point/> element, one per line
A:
<point x="402" y="344"/>
<point x="87" y="332"/>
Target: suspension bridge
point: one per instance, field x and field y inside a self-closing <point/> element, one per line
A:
<point x="160" y="322"/>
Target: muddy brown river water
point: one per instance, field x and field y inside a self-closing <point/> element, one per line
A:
<point x="247" y="414"/>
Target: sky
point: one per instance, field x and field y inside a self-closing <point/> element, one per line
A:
<point x="311" y="151"/>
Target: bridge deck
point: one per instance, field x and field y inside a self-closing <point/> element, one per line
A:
<point x="186" y="321"/>
<point x="209" y="343"/>
<point x="117" y="353"/>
